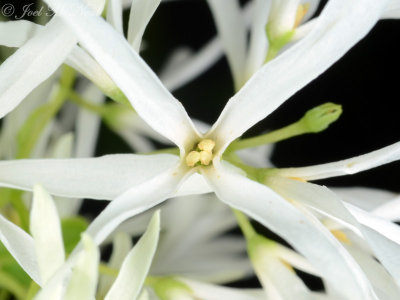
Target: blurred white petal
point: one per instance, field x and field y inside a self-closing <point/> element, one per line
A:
<point x="232" y="31"/>
<point x="21" y="246"/>
<point x="83" y="281"/>
<point x="114" y="14"/>
<point x="45" y="228"/>
<point x="140" y="15"/>
<point x="135" y="267"/>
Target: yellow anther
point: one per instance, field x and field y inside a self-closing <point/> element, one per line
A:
<point x="206" y="145"/>
<point x="341" y="236"/>
<point x="205" y="157"/>
<point x="192" y="158"/>
<point x="301" y="12"/>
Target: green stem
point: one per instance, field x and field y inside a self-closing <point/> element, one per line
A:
<point x="10" y="284"/>
<point x="79" y="100"/>
<point x="289" y="131"/>
<point x="244" y="224"/>
<point x="37" y="121"/>
<point x="106" y="270"/>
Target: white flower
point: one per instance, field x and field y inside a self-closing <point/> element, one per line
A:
<point x="42" y="256"/>
<point x="194" y="244"/>
<point x="146" y="181"/>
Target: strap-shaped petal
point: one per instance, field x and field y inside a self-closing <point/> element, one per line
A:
<point x="302" y="231"/>
<point x="232" y="31"/>
<point x="21" y="246"/>
<point x="341" y="25"/>
<point x="140" y="15"/>
<point x="392" y="10"/>
<point x="348" y="166"/>
<point x="184" y="67"/>
<point x="83" y="280"/>
<point x="33" y="63"/>
<point x="207" y="291"/>
<point x="136" y="200"/>
<point x="258" y="39"/>
<point x="137" y="264"/>
<point x="46" y="232"/>
<point x="97" y="178"/>
<point x="323" y="200"/>
<point x="16" y="33"/>
<point x="148" y="96"/>
<point x="114" y="14"/>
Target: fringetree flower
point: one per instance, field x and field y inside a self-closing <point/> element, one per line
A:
<point x="42" y="256"/>
<point x="145" y="181"/>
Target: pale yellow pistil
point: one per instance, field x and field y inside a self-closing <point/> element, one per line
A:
<point x="203" y="153"/>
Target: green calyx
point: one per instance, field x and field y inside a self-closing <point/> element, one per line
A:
<point x="276" y="42"/>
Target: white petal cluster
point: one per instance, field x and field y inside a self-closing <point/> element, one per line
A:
<point x="274" y="49"/>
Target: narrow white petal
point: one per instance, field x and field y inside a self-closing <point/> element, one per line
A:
<point x="258" y="39"/>
<point x="96" y="178"/>
<point x="232" y="31"/>
<point x="33" y="63"/>
<point x="279" y="281"/>
<point x="366" y="198"/>
<point x="322" y="199"/>
<point x="88" y="124"/>
<point x="114" y="14"/>
<point x="122" y="244"/>
<point x="46" y="232"/>
<point x="140" y="15"/>
<point x="136" y="200"/>
<point x="81" y="61"/>
<point x="148" y="96"/>
<point x="383" y="283"/>
<point x="195" y="184"/>
<point x="136" y="266"/>
<point x="21" y="246"/>
<point x="175" y="75"/>
<point x="83" y="281"/>
<point x="392" y="10"/>
<point x="340" y="26"/>
<point x="348" y="166"/>
<point x="213" y="292"/>
<point x="274" y="212"/>
<point x="16" y="33"/>
<point x="389" y="210"/>
<point x="296" y="260"/>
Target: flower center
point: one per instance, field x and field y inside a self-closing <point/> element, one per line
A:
<point x="202" y="155"/>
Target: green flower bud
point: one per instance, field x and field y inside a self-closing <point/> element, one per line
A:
<point x="320" y="117"/>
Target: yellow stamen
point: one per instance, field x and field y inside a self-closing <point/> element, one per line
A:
<point x="192" y="158"/>
<point x="206" y="145"/>
<point x="205" y="157"/>
<point x="341" y="236"/>
<point x="301" y="12"/>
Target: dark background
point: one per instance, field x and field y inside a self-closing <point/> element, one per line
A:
<point x="365" y="82"/>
